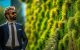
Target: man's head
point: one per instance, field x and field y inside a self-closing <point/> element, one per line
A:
<point x="10" y="13"/>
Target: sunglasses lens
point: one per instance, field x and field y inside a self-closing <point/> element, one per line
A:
<point x="13" y="13"/>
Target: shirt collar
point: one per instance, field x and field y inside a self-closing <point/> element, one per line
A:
<point x="11" y="22"/>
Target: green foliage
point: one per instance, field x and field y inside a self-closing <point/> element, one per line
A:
<point x="53" y="24"/>
<point x="2" y="18"/>
<point x="71" y="24"/>
<point x="78" y="43"/>
<point x="60" y="45"/>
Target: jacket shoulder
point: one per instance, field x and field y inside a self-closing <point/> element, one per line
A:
<point x="3" y="24"/>
<point x="19" y="24"/>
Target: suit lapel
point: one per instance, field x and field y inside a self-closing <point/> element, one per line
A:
<point x="6" y="32"/>
<point x="17" y="27"/>
<point x="6" y="29"/>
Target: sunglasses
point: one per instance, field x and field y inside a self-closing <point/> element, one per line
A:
<point x="13" y="13"/>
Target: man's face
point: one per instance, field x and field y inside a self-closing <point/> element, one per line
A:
<point x="12" y="14"/>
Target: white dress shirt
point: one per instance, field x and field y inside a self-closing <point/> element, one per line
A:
<point x="9" y="42"/>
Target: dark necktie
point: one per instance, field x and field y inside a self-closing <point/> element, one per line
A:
<point x="13" y="35"/>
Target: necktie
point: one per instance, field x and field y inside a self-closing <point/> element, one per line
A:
<point x="13" y="35"/>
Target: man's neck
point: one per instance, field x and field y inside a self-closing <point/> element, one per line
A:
<point x="10" y="21"/>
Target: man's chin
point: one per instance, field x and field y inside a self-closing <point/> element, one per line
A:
<point x="13" y="18"/>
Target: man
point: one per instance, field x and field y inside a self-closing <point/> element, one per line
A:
<point x="13" y="36"/>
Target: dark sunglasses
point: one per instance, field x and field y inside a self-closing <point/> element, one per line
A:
<point x="13" y="13"/>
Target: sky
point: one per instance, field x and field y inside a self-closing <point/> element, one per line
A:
<point x="24" y="9"/>
<point x="5" y="3"/>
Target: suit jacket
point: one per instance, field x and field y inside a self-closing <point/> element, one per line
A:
<point x="4" y="32"/>
<point x="1" y="39"/>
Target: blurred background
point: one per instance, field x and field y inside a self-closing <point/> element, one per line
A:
<point x="49" y="24"/>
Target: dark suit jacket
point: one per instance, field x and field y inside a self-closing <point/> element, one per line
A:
<point x="1" y="39"/>
<point x="4" y="35"/>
